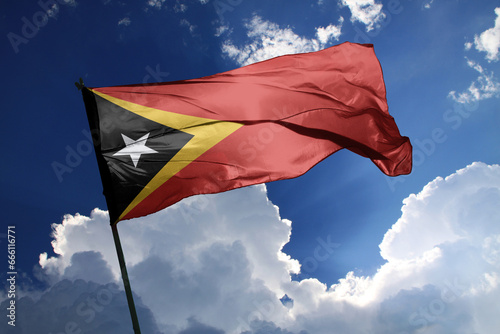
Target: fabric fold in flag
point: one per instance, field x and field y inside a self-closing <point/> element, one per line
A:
<point x="159" y="143"/>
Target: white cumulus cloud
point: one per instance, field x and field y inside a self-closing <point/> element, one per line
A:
<point x="330" y="32"/>
<point x="427" y="4"/>
<point x="484" y="87"/>
<point x="78" y="306"/>
<point x="367" y="12"/>
<point x="489" y="41"/>
<point x="213" y="264"/>
<point x="180" y="8"/>
<point x="125" y="21"/>
<point x="158" y="4"/>
<point x="268" y="40"/>
<point x="441" y="271"/>
<point x="186" y="23"/>
<point x="217" y="258"/>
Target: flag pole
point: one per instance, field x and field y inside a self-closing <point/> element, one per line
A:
<point x="121" y="259"/>
<point x="126" y="282"/>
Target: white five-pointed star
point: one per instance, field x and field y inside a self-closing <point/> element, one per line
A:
<point x="134" y="148"/>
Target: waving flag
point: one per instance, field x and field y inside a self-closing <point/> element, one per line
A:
<point x="159" y="143"/>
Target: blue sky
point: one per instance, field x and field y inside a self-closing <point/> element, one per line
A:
<point x="383" y="250"/>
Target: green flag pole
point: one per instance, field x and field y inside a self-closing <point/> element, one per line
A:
<point x="126" y="282"/>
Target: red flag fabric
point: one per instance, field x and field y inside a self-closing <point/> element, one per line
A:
<point x="267" y="121"/>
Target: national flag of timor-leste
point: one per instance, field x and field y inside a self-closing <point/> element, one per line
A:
<point x="159" y="143"/>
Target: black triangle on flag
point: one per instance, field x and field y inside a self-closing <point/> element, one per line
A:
<point x="130" y="150"/>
